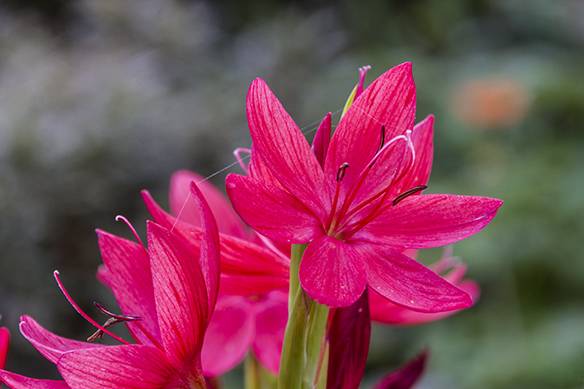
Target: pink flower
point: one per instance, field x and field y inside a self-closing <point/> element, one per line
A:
<point x="174" y="293"/>
<point x="248" y="316"/>
<point x="347" y="210"/>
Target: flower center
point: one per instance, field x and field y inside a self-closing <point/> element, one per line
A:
<point x="348" y="216"/>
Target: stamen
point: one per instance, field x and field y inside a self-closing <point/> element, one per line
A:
<point x="340" y="176"/>
<point x="382" y="141"/>
<point x="112" y="320"/>
<point x="122" y="218"/>
<point x="56" y="275"/>
<point x="236" y="153"/>
<point x="408" y="192"/>
<point x="341" y="171"/>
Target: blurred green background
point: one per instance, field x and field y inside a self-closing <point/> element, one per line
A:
<point x="102" y="98"/>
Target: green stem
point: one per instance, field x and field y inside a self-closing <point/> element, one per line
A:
<point x="293" y="350"/>
<point x="251" y="372"/>
<point x="314" y="341"/>
<point x="295" y="257"/>
<point x="304" y="332"/>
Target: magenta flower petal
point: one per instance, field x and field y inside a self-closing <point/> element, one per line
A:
<point x="332" y="272"/>
<point x="131" y="367"/>
<point x="229" y="335"/>
<point x="282" y="217"/>
<point x="209" y="259"/>
<point x="391" y="101"/>
<point x="180" y="295"/>
<point x="129" y="277"/>
<point x="183" y="204"/>
<point x="16" y="381"/>
<point x="4" y="342"/>
<point x="408" y="283"/>
<point x="430" y="221"/>
<point x="284" y="148"/>
<point x="271" y="321"/>
<point x="51" y="346"/>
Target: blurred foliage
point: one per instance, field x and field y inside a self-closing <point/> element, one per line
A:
<point x="102" y="98"/>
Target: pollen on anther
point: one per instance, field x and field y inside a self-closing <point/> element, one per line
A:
<point x="341" y="171"/>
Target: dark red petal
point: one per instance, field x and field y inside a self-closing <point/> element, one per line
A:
<point x="284" y="149"/>
<point x="229" y="335"/>
<point x="271" y="211"/>
<point x="406" y="282"/>
<point x="427" y="221"/>
<point x="181" y="296"/>
<point x="349" y="337"/>
<point x="128" y="276"/>
<point x="322" y="139"/>
<point x="332" y="272"/>
<point x="406" y="375"/>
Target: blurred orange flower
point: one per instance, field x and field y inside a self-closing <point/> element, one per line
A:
<point x="496" y="102"/>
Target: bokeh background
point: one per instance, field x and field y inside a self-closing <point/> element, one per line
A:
<point x="102" y="98"/>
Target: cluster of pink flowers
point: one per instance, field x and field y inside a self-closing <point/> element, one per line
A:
<point x="335" y="231"/>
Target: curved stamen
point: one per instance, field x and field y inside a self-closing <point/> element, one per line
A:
<point x="408" y="192"/>
<point x="355" y="188"/>
<point x="340" y="176"/>
<point x="122" y="218"/>
<point x="56" y="275"/>
<point x="240" y="159"/>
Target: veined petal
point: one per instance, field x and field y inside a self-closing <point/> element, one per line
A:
<point x="427" y="221"/>
<point x="209" y="259"/>
<point x="406" y="282"/>
<point x="180" y="294"/>
<point x="128" y="367"/>
<point x="284" y="148"/>
<point x="271" y="211"/>
<point x="245" y="266"/>
<point x="129" y="277"/>
<point x="418" y="174"/>
<point x="389" y="101"/>
<point x="259" y="170"/>
<point x="229" y="335"/>
<point x="15" y="381"/>
<point x="332" y="272"/>
<point x="271" y="320"/>
<point x="183" y="204"/>
<point x="51" y="346"/>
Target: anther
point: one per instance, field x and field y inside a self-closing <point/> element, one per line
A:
<point x="409" y="192"/>
<point x="341" y="171"/>
<point x="112" y="320"/>
<point x="381" y="143"/>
